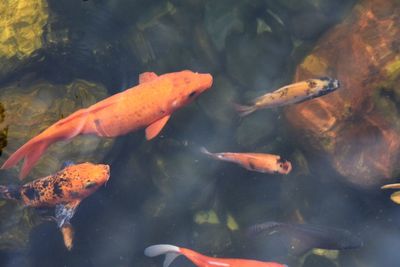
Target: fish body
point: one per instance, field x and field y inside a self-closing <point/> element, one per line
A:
<point x="171" y="252"/>
<point x="147" y="105"/>
<point x="291" y="94"/>
<point x="63" y="190"/>
<point x="259" y="162"/>
<point x="308" y="236"/>
<point x="73" y="183"/>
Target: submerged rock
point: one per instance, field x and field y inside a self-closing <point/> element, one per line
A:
<point x="357" y="128"/>
<point x="30" y="109"/>
<point x="21" y="24"/>
<point x="15" y="225"/>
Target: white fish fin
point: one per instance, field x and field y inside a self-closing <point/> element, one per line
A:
<point x="245" y="110"/>
<point x="170" y="251"/>
<point x="205" y="151"/>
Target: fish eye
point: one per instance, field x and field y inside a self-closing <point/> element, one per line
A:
<point x="192" y="94"/>
<point x="90" y="185"/>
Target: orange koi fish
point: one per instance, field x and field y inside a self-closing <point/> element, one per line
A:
<point x="149" y="104"/>
<point x="63" y="190"/>
<point x="291" y="94"/>
<point x="259" y="162"/>
<point x="201" y="260"/>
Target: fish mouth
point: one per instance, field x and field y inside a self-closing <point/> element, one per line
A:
<point x="334" y="84"/>
<point x="106" y="170"/>
<point x="206" y="80"/>
<point x="286" y="166"/>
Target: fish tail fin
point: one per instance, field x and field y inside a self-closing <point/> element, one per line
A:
<point x="9" y="192"/>
<point x="31" y="152"/>
<point x="34" y="148"/>
<point x="209" y="154"/>
<point x="3" y="191"/>
<point x="244" y="110"/>
<point x="205" y="151"/>
<point x="170" y="251"/>
<point x="31" y="157"/>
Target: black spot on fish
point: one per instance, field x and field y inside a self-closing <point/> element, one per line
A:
<point x="45" y="184"/>
<point x="311" y="84"/>
<point x="57" y="190"/>
<point x="31" y="193"/>
<point x="284" y="92"/>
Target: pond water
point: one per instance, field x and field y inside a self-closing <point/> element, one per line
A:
<point x="57" y="56"/>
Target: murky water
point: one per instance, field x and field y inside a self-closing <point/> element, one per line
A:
<point x="59" y="56"/>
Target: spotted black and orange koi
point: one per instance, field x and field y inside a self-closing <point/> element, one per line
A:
<point x="63" y="190"/>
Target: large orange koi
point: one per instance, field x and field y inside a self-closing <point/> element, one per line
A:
<point x="149" y="104"/>
<point x="201" y="260"/>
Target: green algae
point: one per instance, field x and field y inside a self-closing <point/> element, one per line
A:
<point x="314" y="64"/>
<point x="393" y="69"/>
<point x="22" y="24"/>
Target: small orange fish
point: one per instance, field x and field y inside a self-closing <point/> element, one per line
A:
<point x="63" y="190"/>
<point x="291" y="94"/>
<point x="201" y="260"/>
<point x="265" y="163"/>
<point x="148" y="105"/>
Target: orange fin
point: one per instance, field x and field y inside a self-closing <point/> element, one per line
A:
<point x="147" y="77"/>
<point x="32" y="156"/>
<point x="31" y="151"/>
<point x="68" y="235"/>
<point x="155" y="128"/>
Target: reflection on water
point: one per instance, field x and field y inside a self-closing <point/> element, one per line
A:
<point x="59" y="56"/>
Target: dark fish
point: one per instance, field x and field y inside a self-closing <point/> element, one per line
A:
<point x="304" y="237"/>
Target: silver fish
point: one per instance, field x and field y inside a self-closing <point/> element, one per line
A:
<point x="291" y="94"/>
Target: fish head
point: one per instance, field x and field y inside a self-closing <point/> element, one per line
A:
<point x="328" y="85"/>
<point x="283" y="166"/>
<point x="84" y="179"/>
<point x="187" y="85"/>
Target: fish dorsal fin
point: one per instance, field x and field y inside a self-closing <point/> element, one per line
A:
<point x="67" y="163"/>
<point x="64" y="212"/>
<point x="155" y="128"/>
<point x="147" y="77"/>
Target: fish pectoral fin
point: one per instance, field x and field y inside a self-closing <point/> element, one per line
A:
<point x="68" y="235"/>
<point x="64" y="213"/>
<point x="147" y="77"/>
<point x="155" y="128"/>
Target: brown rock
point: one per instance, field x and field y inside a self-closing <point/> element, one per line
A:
<point x="357" y="127"/>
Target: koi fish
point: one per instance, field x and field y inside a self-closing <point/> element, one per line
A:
<point x="395" y="197"/>
<point x="303" y="237"/>
<point x="291" y="94"/>
<point x="149" y="104"/>
<point x="201" y="260"/>
<point x="259" y="162"/>
<point x="63" y="190"/>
